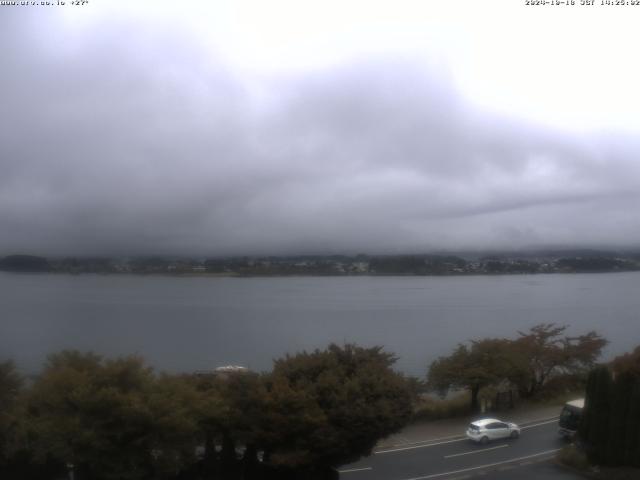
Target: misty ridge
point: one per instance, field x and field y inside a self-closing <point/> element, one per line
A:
<point x="141" y="142"/>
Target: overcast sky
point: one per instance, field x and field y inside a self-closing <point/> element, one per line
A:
<point x="255" y="127"/>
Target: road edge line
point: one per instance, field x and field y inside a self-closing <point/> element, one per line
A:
<point x="453" y="472"/>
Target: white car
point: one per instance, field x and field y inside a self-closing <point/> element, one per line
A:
<point x="482" y="431"/>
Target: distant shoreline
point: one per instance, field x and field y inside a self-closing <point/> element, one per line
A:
<point x="335" y="265"/>
<point x="309" y="275"/>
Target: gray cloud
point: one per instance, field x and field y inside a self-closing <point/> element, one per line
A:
<point x="133" y="140"/>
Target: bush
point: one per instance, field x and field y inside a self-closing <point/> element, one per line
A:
<point x="573" y="457"/>
<point x="429" y="408"/>
<point x="562" y="386"/>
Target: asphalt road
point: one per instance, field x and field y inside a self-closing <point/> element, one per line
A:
<point x="452" y="458"/>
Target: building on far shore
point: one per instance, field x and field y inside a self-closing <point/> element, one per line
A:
<point x="222" y="372"/>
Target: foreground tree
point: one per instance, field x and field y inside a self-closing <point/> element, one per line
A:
<point x="610" y="425"/>
<point x="331" y="407"/>
<point x="230" y="410"/>
<point x="483" y="363"/>
<point x="244" y="398"/>
<point x="174" y="433"/>
<point x="110" y="419"/>
<point x="10" y="386"/>
<point x="628" y="363"/>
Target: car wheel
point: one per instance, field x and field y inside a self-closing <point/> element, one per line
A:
<point x="484" y="440"/>
<point x="515" y="434"/>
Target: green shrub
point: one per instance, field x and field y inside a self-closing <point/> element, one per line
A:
<point x="572" y="457"/>
<point x="562" y="386"/>
<point x="429" y="408"/>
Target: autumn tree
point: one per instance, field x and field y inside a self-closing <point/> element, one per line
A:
<point x="548" y="352"/>
<point x="528" y="362"/>
<point x="628" y="362"/>
<point x="472" y="367"/>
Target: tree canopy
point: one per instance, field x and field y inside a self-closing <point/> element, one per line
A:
<point x="628" y="363"/>
<point x="111" y="419"/>
<point x="341" y="401"/>
<point x="547" y="351"/>
<point x="10" y="386"/>
<point x="473" y="367"/>
<point x="528" y="362"/>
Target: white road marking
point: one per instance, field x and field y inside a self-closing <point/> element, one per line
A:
<point x="436" y="475"/>
<point x="541" y="423"/>
<point x="476" y="451"/>
<point x="419" y="446"/>
<point x="421" y="442"/>
<point x="350" y="470"/>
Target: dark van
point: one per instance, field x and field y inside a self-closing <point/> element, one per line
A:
<point x="570" y="418"/>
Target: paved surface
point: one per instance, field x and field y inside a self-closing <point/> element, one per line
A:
<point x="438" y="450"/>
<point x="543" y="470"/>
<point x="456" y="426"/>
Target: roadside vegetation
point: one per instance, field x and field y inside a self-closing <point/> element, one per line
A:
<point x="429" y="407"/>
<point x="610" y="426"/>
<point x="117" y="419"/>
<point x="607" y="446"/>
<point x="573" y="457"/>
<point x="543" y="362"/>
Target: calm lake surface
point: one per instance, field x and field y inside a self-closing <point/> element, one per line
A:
<point x="197" y="323"/>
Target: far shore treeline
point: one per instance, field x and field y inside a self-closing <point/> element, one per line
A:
<point x="116" y="418"/>
<point x="469" y="263"/>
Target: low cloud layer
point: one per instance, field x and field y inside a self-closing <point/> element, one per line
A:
<point x="131" y="141"/>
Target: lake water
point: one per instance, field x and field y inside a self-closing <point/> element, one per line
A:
<point x="198" y="323"/>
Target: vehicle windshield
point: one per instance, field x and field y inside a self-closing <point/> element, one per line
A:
<point x="570" y="417"/>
